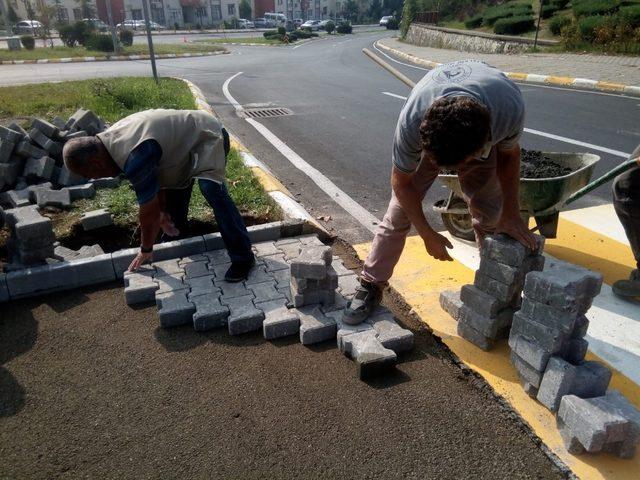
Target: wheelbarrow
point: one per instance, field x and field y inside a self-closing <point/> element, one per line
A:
<point x="540" y="198"/>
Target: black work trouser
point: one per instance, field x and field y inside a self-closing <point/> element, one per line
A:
<point x="626" y="201"/>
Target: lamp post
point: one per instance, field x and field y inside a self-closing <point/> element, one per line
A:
<point x="145" y="9"/>
<point x="535" y="41"/>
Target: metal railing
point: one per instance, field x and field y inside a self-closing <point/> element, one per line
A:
<point x="426" y="17"/>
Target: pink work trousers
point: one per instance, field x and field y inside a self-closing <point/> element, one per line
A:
<point x="482" y="192"/>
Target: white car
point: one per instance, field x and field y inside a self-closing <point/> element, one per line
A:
<point x="244" y="23"/>
<point x="312" y="25"/>
<point x="323" y="23"/>
<point x="131" y="25"/>
<point x="97" y="23"/>
<point x="28" y="27"/>
<point x="384" y="20"/>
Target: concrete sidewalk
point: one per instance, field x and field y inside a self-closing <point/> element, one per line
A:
<point x="616" y="69"/>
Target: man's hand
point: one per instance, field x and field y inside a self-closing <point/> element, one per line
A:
<point x="437" y="245"/>
<point x="140" y="259"/>
<point x="514" y="226"/>
<point x="167" y="225"/>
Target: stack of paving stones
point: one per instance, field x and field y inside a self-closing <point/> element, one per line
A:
<point x="273" y="300"/>
<point x="31" y="236"/>
<point x="31" y="166"/>
<point x="488" y="305"/>
<point x="547" y="336"/>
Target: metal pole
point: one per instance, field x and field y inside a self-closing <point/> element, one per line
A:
<point x="535" y="41"/>
<point x="114" y="37"/>
<point x="145" y="10"/>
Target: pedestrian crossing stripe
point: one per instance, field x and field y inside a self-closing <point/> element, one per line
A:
<point x="613" y="335"/>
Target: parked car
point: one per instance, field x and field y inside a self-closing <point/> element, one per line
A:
<point x="261" y="23"/>
<point x="384" y="20"/>
<point x="323" y="24"/>
<point x="312" y="25"/>
<point x="97" y="24"/>
<point x="297" y="22"/>
<point x="131" y="25"/>
<point x="244" y="23"/>
<point x="154" y="26"/>
<point x="28" y="27"/>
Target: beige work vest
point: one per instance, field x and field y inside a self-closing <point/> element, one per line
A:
<point x="191" y="141"/>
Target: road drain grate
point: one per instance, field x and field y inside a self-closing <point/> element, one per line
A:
<point x="267" y="112"/>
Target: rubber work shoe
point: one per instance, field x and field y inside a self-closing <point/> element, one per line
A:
<point x="628" y="288"/>
<point x="239" y="271"/>
<point x="367" y="297"/>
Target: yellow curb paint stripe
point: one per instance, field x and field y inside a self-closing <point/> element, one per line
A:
<point x="420" y="279"/>
<point x="557" y="80"/>
<point x="517" y="75"/>
<point x="618" y="87"/>
<point x="269" y="182"/>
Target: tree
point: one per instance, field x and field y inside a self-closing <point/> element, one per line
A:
<point x="408" y="13"/>
<point x="351" y="9"/>
<point x="375" y="9"/>
<point x="244" y="9"/>
<point x="46" y="14"/>
<point x="88" y="9"/>
<point x="31" y="14"/>
<point x="12" y="16"/>
<point x="391" y="7"/>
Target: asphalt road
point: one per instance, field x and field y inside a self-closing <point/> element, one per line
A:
<point x="343" y="120"/>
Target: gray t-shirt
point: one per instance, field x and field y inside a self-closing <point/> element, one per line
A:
<point x="472" y="78"/>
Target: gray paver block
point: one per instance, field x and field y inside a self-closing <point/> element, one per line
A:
<point x="580" y="328"/>
<point x="232" y="289"/>
<point x="504" y="249"/>
<point x="265" y="292"/>
<point x="258" y="275"/>
<point x="197" y="269"/>
<point x="46" y="128"/>
<point x="530" y="390"/>
<point x="558" y="381"/>
<point x="170" y="283"/>
<point x="496" y="289"/>
<point x="79" y="133"/>
<point x="32" y="189"/>
<point x="9" y="172"/>
<point x="508" y="274"/>
<point x="324" y="297"/>
<point x="340" y="268"/>
<point x="219" y="270"/>
<point x="472" y="335"/>
<point x="68" y="179"/>
<point x="122" y="259"/>
<point x="275" y="263"/>
<point x="347" y="284"/>
<point x="96" y="219"/>
<point x="562" y="284"/>
<point x="202" y="286"/>
<point x="282" y="278"/>
<point x="213" y="241"/>
<point x="264" y="249"/>
<point x="527" y="373"/>
<point x="607" y="423"/>
<point x="210" y="313"/>
<point x="286" y="293"/>
<point x="574" y="350"/>
<point x="244" y="316"/>
<point x="265" y="232"/>
<point x="548" y="315"/>
<point x="218" y="257"/>
<point x="61" y="276"/>
<point x="312" y="262"/>
<point x="53" y="198"/>
<point x="87" y="251"/>
<point x="481" y="302"/>
<point x="10" y="135"/>
<point x="529" y="351"/>
<point x="168" y="267"/>
<point x="279" y="320"/>
<point x="389" y="333"/>
<point x="344" y="330"/>
<point x="488" y="327"/>
<point x="106" y="182"/>
<point x="179" y="248"/>
<point x="200" y="257"/>
<point x="291" y="249"/>
<point x="592" y="379"/>
<point x="547" y="338"/>
<point x="174" y="309"/>
<point x="17" y="198"/>
<point x="77" y="192"/>
<point x="6" y="149"/>
<point x="370" y="355"/>
<point x="25" y="150"/>
<point x="42" y="140"/>
<point x="64" y="253"/>
<point x="139" y="288"/>
<point x="450" y="302"/>
<point x="315" y="326"/>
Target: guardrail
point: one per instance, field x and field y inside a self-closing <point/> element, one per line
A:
<point x="430" y="18"/>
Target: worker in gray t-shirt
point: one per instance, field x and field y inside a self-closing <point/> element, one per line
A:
<point x="465" y="116"/>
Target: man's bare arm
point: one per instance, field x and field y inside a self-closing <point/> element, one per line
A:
<point x="150" y="217"/>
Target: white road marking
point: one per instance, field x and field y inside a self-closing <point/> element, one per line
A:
<point x="552" y="136"/>
<point x="362" y="215"/>
<point x="613" y="323"/>
<point x="601" y="219"/>
<point x="398" y="61"/>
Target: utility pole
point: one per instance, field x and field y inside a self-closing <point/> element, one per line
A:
<point x="114" y="37"/>
<point x="535" y="41"/>
<point x="145" y="9"/>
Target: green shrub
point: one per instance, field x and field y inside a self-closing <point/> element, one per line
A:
<point x="587" y="26"/>
<point x="393" y="24"/>
<point x="305" y="34"/>
<point x="67" y="35"/>
<point x="588" y="8"/>
<point x="561" y="4"/>
<point x="282" y="30"/>
<point x="330" y="26"/>
<point x="126" y="37"/>
<point x="558" y="23"/>
<point x="513" y="25"/>
<point x="493" y="14"/>
<point x="631" y="15"/>
<point x="99" y="42"/>
<point x="269" y="33"/>
<point x="570" y="34"/>
<point x="473" y="22"/>
<point x="549" y="10"/>
<point x="28" y="42"/>
<point x="344" y="27"/>
<point x="82" y="31"/>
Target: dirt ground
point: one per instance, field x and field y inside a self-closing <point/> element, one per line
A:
<point x="90" y="388"/>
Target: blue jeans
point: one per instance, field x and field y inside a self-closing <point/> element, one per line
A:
<point x="232" y="228"/>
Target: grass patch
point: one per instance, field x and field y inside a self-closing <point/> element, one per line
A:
<point x="253" y="40"/>
<point x="73" y="52"/>
<point x="113" y="99"/>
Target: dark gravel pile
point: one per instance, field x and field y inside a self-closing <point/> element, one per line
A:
<point x="534" y="164"/>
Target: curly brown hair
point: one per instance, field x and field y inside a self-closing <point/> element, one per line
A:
<point x="454" y="128"/>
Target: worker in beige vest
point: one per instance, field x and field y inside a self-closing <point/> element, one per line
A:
<point x="162" y="153"/>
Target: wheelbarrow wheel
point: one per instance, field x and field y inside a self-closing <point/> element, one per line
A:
<point x="458" y="224"/>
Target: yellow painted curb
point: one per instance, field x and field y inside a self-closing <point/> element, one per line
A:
<point x="114" y="58"/>
<point x="556" y="80"/>
<point x="517" y="76"/>
<point x="618" y="87"/>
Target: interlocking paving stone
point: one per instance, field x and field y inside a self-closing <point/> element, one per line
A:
<point x="506" y="250"/>
<point x="218" y="257"/>
<point x="258" y="275"/>
<point x="264" y="249"/>
<point x="38" y="168"/>
<point x="311" y="240"/>
<point x="315" y="326"/>
<point x="279" y="320"/>
<point x="244" y="316"/>
<point x="202" y="286"/>
<point x="481" y="302"/>
<point x="527" y="373"/>
<point x="174" y="309"/>
<point x="96" y="219"/>
<point x="548" y="338"/>
<point x="370" y="355"/>
<point x="53" y="198"/>
<point x="169" y="283"/>
<point x="219" y="269"/>
<point x="557" y="382"/>
<point x="471" y="334"/>
<point x="450" y="302"/>
<point x="196" y="269"/>
<point x="139" y="289"/>
<point x="489" y="327"/>
<point x="339" y="267"/>
<point x="81" y="191"/>
<point x="275" y="263"/>
<point x="389" y="333"/>
<point x="282" y="278"/>
<point x="347" y="284"/>
<point x="286" y="293"/>
<point x="210" y="313"/>
<point x="312" y="262"/>
<point x="168" y="267"/>
<point x="200" y="257"/>
<point x="496" y="289"/>
<point x="265" y="292"/>
<point x="290" y="250"/>
<point x="548" y="315"/>
<point x="232" y="289"/>
<point x="179" y="248"/>
<point x="530" y="352"/>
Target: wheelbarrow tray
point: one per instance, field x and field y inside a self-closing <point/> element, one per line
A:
<point x="546" y="196"/>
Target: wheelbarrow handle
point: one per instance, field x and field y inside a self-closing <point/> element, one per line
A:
<point x="623" y="167"/>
